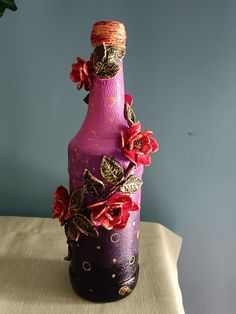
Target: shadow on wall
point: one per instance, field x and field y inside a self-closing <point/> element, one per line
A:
<point x="27" y="190"/>
<point x="154" y="207"/>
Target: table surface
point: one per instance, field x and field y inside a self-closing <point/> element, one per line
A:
<point x="34" y="276"/>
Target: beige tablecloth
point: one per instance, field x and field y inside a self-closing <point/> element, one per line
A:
<point x="34" y="277"/>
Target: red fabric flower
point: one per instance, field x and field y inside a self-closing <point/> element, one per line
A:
<point x="113" y="212"/>
<point x="61" y="205"/>
<point x="80" y="73"/>
<point x="128" y="99"/>
<point x="137" y="145"/>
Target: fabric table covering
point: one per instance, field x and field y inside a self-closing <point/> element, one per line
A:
<point x="34" y="277"/>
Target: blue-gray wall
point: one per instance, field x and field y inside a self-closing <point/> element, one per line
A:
<point x="181" y="69"/>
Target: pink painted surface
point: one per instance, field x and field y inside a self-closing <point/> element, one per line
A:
<point x="98" y="136"/>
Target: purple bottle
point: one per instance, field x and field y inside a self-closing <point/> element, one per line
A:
<point x="104" y="268"/>
<point x="101" y="213"/>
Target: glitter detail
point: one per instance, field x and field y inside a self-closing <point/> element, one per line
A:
<point x="113" y="101"/>
<point x="111" y="120"/>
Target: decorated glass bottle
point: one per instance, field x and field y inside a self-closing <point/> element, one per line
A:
<point x="101" y="213"/>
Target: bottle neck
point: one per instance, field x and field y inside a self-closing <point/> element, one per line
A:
<point x="106" y="104"/>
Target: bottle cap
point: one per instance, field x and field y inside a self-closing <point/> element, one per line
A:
<point x="111" y="33"/>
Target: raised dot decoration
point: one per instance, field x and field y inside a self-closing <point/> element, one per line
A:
<point x="132" y="260"/>
<point x="138" y="234"/>
<point x="114" y="238"/>
<point x="86" y="266"/>
<point x="124" y="290"/>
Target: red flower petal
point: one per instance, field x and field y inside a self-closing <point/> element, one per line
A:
<point x="99" y="213"/>
<point x="106" y="223"/>
<point x="80" y="85"/>
<point x="124" y="221"/>
<point x="86" y="67"/>
<point x="120" y="198"/>
<point x="62" y="194"/>
<point x="113" y="212"/>
<point x="133" y="129"/>
<point x="98" y="204"/>
<point x="128" y="99"/>
<point x="122" y="133"/>
<point x="154" y="144"/>
<point x="81" y="73"/>
<point x="147" y="148"/>
<point x="66" y="214"/>
<point x="60" y="207"/>
<point x="147" y="133"/>
<point x="144" y="159"/>
<point x="87" y="83"/>
<point x="135" y="206"/>
<point x="95" y="221"/>
<point x="135" y="137"/>
<point x="74" y="77"/>
<point x="80" y="60"/>
<point x="130" y="155"/>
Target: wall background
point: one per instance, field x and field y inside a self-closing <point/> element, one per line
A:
<point x="181" y="69"/>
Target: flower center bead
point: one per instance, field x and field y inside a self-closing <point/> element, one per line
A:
<point x="138" y="145"/>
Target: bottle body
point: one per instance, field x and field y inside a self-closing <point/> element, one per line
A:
<point x="104" y="268"/>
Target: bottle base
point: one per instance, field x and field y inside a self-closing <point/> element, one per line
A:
<point x="100" y="293"/>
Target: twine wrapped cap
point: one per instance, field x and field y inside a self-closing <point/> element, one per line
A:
<point x="111" y="33"/>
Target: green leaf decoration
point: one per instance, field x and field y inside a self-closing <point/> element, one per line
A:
<point x="71" y="231"/>
<point x="2" y="10"/>
<point x="131" y="184"/>
<point x="86" y="99"/>
<point x="77" y="200"/>
<point x="84" y="225"/>
<point x="111" y="170"/>
<point x="93" y="185"/>
<point x="129" y="114"/>
<point x="7" y="4"/>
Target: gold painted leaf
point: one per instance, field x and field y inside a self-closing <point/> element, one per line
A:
<point x="77" y="200"/>
<point x="71" y="231"/>
<point x="93" y="185"/>
<point x="106" y="60"/>
<point x="111" y="170"/>
<point x="84" y="225"/>
<point x="129" y="114"/>
<point x="131" y="184"/>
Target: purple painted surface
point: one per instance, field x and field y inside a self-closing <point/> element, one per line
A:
<point x="98" y="136"/>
